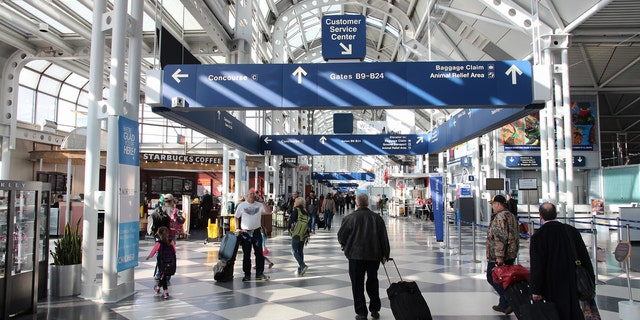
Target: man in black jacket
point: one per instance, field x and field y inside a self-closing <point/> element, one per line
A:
<point x="206" y="204"/>
<point x="553" y="269"/>
<point x="363" y="238"/>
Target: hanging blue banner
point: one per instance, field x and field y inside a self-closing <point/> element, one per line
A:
<point x="437" y="196"/>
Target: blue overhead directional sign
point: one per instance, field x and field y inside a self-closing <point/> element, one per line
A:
<point x="489" y="82"/>
<point x="398" y="144"/>
<point x="344" y="36"/>
<point x="534" y="161"/>
<point x="339" y="85"/>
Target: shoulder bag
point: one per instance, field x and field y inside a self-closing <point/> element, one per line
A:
<point x="586" y="287"/>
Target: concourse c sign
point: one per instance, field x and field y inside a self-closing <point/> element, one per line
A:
<point x="344" y="36"/>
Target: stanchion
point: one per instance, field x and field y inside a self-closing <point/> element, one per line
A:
<point x="459" y="223"/>
<point x="626" y="309"/>
<point x="619" y="225"/>
<point x="473" y="242"/>
<point x="594" y="245"/>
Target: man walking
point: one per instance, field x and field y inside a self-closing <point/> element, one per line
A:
<point x="553" y="268"/>
<point x="312" y="209"/>
<point x="363" y="238"/>
<point x="249" y="213"/>
<point x="502" y="245"/>
<point x="206" y="204"/>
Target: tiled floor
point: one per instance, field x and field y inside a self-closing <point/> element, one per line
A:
<point x="451" y="280"/>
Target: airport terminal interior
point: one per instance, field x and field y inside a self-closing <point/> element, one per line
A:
<point x="109" y="105"/>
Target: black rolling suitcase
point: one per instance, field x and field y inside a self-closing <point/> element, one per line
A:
<point x="407" y="302"/>
<point x="518" y="294"/>
<point x="321" y="223"/>
<point x="223" y="270"/>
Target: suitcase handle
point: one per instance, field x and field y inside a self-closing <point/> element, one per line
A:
<point x="385" y="270"/>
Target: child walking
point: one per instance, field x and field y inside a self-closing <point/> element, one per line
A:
<point x="265" y="251"/>
<point x="166" y="264"/>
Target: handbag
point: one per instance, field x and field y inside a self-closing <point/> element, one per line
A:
<point x="540" y="310"/>
<point x="508" y="274"/>
<point x="586" y="286"/>
<point x="590" y="309"/>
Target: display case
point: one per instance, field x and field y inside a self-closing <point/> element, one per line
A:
<point x="24" y="245"/>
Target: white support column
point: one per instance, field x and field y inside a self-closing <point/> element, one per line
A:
<point x="130" y="110"/>
<point x="544" y="141"/>
<point x="255" y="178"/>
<point x="225" y="177"/>
<point x="568" y="134"/>
<point x="114" y="107"/>
<point x="265" y="187"/>
<point x="90" y="289"/>
<point x="559" y="137"/>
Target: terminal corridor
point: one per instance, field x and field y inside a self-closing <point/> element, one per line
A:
<point x="453" y="284"/>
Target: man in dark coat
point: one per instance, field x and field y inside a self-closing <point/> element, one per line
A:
<point x="553" y="269"/>
<point x="206" y="203"/>
<point x="363" y="238"/>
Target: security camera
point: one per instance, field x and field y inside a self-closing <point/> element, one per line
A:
<point x="43" y="27"/>
<point x="60" y="52"/>
<point x="177" y="102"/>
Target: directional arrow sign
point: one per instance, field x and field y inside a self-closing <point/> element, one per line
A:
<point x="398" y="144"/>
<point x="177" y="75"/>
<point x="514" y="72"/>
<point x="344" y="36"/>
<point x="360" y="85"/>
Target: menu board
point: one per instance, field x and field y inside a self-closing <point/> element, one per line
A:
<point x="156" y="185"/>
<point x="177" y="186"/>
<point x="167" y="185"/>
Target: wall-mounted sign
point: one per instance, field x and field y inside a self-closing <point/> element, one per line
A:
<point x="182" y="158"/>
<point x="527" y="184"/>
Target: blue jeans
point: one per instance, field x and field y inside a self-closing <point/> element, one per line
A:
<point x="502" y="303"/>
<point x="328" y="217"/>
<point x="297" y="249"/>
<point x="249" y="240"/>
<point x="314" y="217"/>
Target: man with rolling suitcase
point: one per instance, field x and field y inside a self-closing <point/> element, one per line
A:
<point x="363" y="238"/>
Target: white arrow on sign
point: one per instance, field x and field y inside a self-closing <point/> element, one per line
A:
<point x="346" y="49"/>
<point x="177" y="75"/>
<point x="299" y="72"/>
<point x="515" y="72"/>
<point x="267" y="140"/>
<point x="420" y="139"/>
<point x="323" y="139"/>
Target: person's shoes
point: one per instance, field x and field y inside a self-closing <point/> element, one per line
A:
<point x="375" y="315"/>
<point x="271" y="265"/>
<point x="506" y="310"/>
<point x="360" y="317"/>
<point x="246" y="278"/>
<point x="156" y="289"/>
<point x="262" y="278"/>
<point x="304" y="270"/>
<point x="166" y="295"/>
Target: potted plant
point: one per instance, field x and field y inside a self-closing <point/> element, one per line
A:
<point x="66" y="270"/>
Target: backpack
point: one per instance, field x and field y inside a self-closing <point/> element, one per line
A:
<point x="157" y="219"/>
<point x="179" y="216"/>
<point x="166" y="260"/>
<point x="301" y="229"/>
